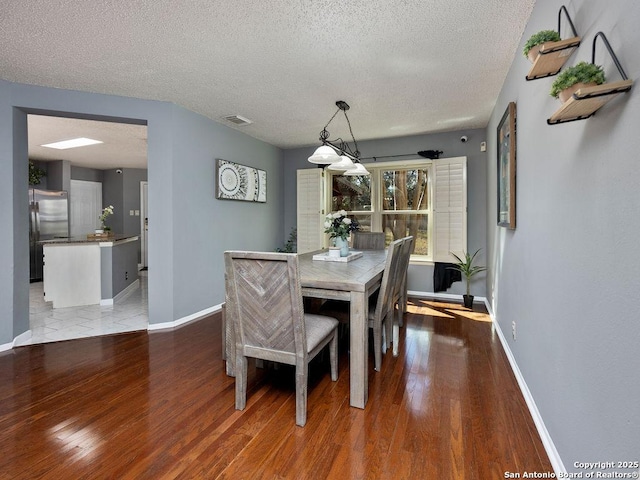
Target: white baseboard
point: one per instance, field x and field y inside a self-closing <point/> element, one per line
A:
<point x="105" y="302"/>
<point x="18" y="341"/>
<point x="549" y="446"/>
<point x="443" y="296"/>
<point x="189" y="318"/>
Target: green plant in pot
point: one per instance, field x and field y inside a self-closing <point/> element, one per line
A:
<point x="533" y="45"/>
<point x="468" y="270"/>
<point x="573" y="78"/>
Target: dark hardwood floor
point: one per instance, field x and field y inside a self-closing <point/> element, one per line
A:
<point x="156" y="405"/>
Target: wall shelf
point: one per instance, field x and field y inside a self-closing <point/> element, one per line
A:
<point x="586" y="101"/>
<point x="553" y="55"/>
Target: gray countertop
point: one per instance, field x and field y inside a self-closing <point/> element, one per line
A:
<point x="115" y="238"/>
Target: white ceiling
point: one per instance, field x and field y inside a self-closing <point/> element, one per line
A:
<point x="404" y="66"/>
<point x="124" y="146"/>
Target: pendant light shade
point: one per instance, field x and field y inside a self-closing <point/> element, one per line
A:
<point x="359" y="169"/>
<point x="324" y="155"/>
<point x="345" y="163"/>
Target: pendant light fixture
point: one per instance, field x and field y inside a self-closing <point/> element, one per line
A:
<point x="344" y="164"/>
<point x="357" y="170"/>
<point x="337" y="154"/>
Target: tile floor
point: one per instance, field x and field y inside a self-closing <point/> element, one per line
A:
<point x="47" y="324"/>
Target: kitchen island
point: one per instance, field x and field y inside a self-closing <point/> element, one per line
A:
<point x="87" y="270"/>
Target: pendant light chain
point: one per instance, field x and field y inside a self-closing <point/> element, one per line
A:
<point x="357" y="152"/>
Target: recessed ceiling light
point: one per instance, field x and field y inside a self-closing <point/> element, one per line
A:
<point x="73" y="143"/>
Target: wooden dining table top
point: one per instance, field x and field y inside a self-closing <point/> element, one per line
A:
<point x="354" y="276"/>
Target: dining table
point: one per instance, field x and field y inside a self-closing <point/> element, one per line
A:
<point x="353" y="281"/>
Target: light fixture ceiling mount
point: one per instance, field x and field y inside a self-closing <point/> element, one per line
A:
<point x="337" y="153"/>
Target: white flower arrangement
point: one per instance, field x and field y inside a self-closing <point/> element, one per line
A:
<point x="106" y="211"/>
<point x="339" y="225"/>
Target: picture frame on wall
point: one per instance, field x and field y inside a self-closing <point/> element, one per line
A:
<point x="507" y="168"/>
<point x="240" y="182"/>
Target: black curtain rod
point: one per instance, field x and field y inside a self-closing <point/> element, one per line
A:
<point x="431" y="154"/>
<point x="389" y="156"/>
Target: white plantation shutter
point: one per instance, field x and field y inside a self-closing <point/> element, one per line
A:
<point x="310" y="210"/>
<point x="450" y="208"/>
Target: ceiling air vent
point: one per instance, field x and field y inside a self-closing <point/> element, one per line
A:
<point x="238" y="120"/>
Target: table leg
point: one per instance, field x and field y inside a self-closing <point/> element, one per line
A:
<point x="359" y="346"/>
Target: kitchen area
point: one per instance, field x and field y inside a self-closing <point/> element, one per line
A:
<point x="84" y="281"/>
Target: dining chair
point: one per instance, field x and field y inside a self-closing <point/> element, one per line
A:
<point x="399" y="295"/>
<point x="380" y="307"/>
<point x="368" y="240"/>
<point x="264" y="302"/>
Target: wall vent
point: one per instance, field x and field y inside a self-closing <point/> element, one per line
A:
<point x="238" y="120"/>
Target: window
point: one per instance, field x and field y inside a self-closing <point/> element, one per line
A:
<point x="352" y="194"/>
<point x="422" y="198"/>
<point x="405" y="208"/>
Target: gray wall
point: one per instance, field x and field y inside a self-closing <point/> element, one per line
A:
<point x="131" y="198"/>
<point x="86" y="174"/>
<point x="205" y="227"/>
<point x="121" y="261"/>
<point x="59" y="175"/>
<point x="190" y="228"/>
<point x="420" y="276"/>
<point x="113" y="194"/>
<point x="568" y="275"/>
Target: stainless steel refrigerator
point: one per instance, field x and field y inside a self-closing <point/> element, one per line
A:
<point x="48" y="219"/>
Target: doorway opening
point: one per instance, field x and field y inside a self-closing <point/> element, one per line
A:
<point x="115" y="169"/>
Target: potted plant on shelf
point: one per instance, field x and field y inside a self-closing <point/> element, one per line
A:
<point x="468" y="270"/>
<point x="574" y="78"/>
<point x="534" y="44"/>
<point x="339" y="226"/>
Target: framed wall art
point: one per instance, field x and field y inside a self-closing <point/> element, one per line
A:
<point x="239" y="182"/>
<point x="507" y="168"/>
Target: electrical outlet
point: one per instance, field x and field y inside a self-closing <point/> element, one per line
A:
<point x="513" y="329"/>
<point x="483" y="146"/>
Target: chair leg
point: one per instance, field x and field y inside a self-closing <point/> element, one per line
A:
<point x="333" y="356"/>
<point x="377" y="347"/>
<point x="387" y="328"/>
<point x="241" y="381"/>
<point x="396" y="331"/>
<point x="396" y="339"/>
<point x="301" y="395"/>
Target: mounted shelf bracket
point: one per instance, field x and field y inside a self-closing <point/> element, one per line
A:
<point x="553" y="55"/>
<point x="613" y="55"/>
<point x="586" y="101"/>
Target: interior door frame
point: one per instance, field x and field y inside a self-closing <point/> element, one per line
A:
<point x="144" y="238"/>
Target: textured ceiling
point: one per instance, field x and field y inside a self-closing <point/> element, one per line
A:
<point x="404" y="66"/>
<point x="124" y="146"/>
